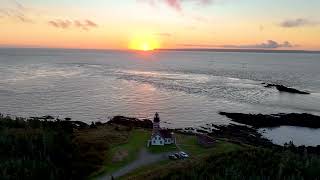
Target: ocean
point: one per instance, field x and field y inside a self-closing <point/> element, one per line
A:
<point x="187" y="88"/>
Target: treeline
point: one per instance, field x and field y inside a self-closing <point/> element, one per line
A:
<point x="249" y="164"/>
<point x="41" y="148"/>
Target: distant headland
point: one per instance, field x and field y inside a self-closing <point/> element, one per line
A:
<point x="241" y="50"/>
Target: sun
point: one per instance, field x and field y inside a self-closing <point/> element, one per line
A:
<point x="144" y="43"/>
<point x="146" y="47"/>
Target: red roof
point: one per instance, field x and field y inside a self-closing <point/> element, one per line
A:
<point x="165" y="133"/>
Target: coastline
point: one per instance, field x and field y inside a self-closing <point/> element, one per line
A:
<point x="96" y="146"/>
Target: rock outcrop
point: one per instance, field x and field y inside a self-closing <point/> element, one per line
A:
<point x="283" y="88"/>
<point x="275" y="120"/>
<point x="131" y="122"/>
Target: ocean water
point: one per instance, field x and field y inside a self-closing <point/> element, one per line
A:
<point x="188" y="89"/>
<point x="298" y="135"/>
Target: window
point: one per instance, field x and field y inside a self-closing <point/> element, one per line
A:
<point x="154" y="142"/>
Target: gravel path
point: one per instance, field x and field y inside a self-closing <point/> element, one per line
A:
<point x="144" y="158"/>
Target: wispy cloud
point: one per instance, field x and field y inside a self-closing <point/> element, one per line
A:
<point x="16" y="11"/>
<point x="270" y="44"/>
<point x="199" y="45"/>
<point x="299" y="22"/>
<point x="163" y="34"/>
<point x="177" y="4"/>
<point x="65" y="24"/>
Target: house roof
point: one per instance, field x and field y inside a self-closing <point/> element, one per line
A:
<point x="164" y="133"/>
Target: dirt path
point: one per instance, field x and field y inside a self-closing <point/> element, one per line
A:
<point x="144" y="158"/>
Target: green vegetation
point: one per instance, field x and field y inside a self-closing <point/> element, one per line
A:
<point x="162" y="149"/>
<point x="94" y="145"/>
<point x="246" y="163"/>
<point x="122" y="154"/>
<point x="146" y="169"/>
<point x="43" y="148"/>
<point x="190" y="145"/>
<point x="35" y="149"/>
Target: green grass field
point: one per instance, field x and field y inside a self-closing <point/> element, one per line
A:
<point x="188" y="144"/>
<point x="121" y="155"/>
<point x="161" y="149"/>
<point x="137" y="140"/>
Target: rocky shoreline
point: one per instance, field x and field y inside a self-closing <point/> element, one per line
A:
<point x="131" y="122"/>
<point x="235" y="133"/>
<point x="241" y="134"/>
<point x="282" y="88"/>
<point x="275" y="120"/>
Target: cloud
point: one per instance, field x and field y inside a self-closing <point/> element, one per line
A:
<point x="199" y="45"/>
<point x="298" y="23"/>
<point x="270" y="44"/>
<point x="177" y="4"/>
<point x="163" y="34"/>
<point x="16" y="11"/>
<point x="65" y="24"/>
<point x="90" y="23"/>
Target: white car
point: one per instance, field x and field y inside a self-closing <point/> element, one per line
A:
<point x="183" y="154"/>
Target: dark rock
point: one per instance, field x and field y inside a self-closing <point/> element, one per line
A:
<point x="67" y="119"/>
<point x="240" y="134"/>
<point x="202" y="131"/>
<point x="77" y="124"/>
<point x="131" y="122"/>
<point x="275" y="120"/>
<point x="282" y="88"/>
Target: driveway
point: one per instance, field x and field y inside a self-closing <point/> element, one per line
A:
<point x="144" y="158"/>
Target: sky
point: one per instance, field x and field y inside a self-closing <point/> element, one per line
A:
<point x="150" y="24"/>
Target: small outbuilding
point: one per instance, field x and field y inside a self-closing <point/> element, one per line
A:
<point x="205" y="140"/>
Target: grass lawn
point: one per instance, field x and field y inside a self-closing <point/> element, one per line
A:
<point x="121" y="155"/>
<point x="161" y="149"/>
<point x="130" y="150"/>
<point x="188" y="144"/>
<point x="144" y="169"/>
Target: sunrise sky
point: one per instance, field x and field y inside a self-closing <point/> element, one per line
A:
<point x="149" y="24"/>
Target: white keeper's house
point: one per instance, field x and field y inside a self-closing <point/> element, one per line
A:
<point x="160" y="137"/>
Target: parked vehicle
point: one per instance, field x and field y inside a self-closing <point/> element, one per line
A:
<point x="183" y="154"/>
<point x="178" y="155"/>
<point x="173" y="157"/>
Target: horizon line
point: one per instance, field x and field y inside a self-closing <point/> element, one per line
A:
<point x="177" y="49"/>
